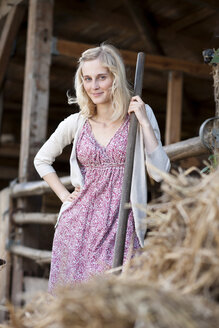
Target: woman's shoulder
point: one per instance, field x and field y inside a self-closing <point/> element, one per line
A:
<point x="73" y="120"/>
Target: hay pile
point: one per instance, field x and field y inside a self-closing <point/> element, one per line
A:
<point x="172" y="283"/>
<point x="115" y="303"/>
<point x="182" y="251"/>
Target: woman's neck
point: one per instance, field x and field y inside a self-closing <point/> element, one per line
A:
<point x="104" y="113"/>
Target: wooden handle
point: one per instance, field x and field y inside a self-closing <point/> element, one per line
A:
<point x="127" y="180"/>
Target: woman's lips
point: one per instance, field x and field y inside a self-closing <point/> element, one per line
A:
<point x="97" y="94"/>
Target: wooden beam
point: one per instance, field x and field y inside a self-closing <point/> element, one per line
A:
<point x="185" y="149"/>
<point x="7" y="5"/>
<point x="37" y="255"/>
<point x="146" y="31"/>
<point x="34" y="218"/>
<point x="36" y="85"/>
<point x="35" y="187"/>
<point x="74" y="49"/>
<point x="4" y="254"/>
<point x="8" y="35"/>
<point x="174" y="108"/>
<point x="190" y="19"/>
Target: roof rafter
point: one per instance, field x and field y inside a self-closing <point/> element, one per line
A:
<point x="74" y="49"/>
<point x="8" y="35"/>
<point x="191" y="19"/>
<point x="145" y="29"/>
<point x="7" y="5"/>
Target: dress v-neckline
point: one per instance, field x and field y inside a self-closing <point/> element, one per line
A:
<point x="117" y="131"/>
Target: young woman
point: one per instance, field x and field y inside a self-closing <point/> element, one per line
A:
<point x="86" y="227"/>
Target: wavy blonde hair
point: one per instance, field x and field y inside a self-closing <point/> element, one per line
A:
<point x="121" y="92"/>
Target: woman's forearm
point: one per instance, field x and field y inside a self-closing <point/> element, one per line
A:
<point x="150" y="140"/>
<point x="56" y="185"/>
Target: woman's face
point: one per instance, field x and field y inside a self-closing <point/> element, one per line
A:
<point x="97" y="81"/>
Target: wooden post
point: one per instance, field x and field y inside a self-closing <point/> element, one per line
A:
<point x="215" y="71"/>
<point x="4" y="254"/>
<point x="8" y="35"/>
<point x="1" y="110"/>
<point x="174" y="108"/>
<point x="36" y="85"/>
<point x="34" y="112"/>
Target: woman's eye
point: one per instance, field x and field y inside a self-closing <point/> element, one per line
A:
<point x="103" y="77"/>
<point x="87" y="79"/>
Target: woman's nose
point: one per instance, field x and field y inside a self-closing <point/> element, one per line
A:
<point x="95" y="84"/>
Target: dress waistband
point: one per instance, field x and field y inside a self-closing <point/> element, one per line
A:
<point x="103" y="166"/>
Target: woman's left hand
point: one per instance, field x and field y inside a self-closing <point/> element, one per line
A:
<point x="138" y="107"/>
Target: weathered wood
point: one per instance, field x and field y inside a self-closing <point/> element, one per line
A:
<point x="36" y="85"/>
<point x="163" y="63"/>
<point x="145" y="29"/>
<point x="34" y="116"/>
<point x="4" y="254"/>
<point x="174" y="108"/>
<point x="7" y="5"/>
<point x="37" y="255"/>
<point x="8" y="35"/>
<point x="1" y="110"/>
<point x="17" y="270"/>
<point x="184" y="149"/>
<point x="190" y="19"/>
<point x="35" y="187"/>
<point x="32" y="218"/>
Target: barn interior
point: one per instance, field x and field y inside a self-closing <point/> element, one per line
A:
<point x="44" y="39"/>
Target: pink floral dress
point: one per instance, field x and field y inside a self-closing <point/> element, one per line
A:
<point x="84" y="239"/>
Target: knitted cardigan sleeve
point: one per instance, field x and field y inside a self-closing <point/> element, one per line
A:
<point x="158" y="157"/>
<point x="53" y="147"/>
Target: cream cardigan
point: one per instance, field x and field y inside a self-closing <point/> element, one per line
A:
<point x="69" y="130"/>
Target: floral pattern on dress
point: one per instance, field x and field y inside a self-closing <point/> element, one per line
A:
<point x="84" y="239"/>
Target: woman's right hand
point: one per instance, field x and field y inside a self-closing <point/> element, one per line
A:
<point x="72" y="196"/>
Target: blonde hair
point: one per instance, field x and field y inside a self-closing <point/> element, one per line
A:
<point x="121" y="93"/>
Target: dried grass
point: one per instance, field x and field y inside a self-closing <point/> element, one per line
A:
<point x="182" y="251"/>
<point x="116" y="303"/>
<point x="172" y="283"/>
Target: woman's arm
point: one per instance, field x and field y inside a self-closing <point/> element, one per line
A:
<point x="154" y="152"/>
<point x="63" y="135"/>
<point x="138" y="107"/>
<point x="59" y="189"/>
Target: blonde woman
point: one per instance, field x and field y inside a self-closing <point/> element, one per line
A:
<point x="86" y="227"/>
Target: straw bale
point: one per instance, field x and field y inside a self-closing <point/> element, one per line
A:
<point x="116" y="303"/>
<point x="182" y="251"/>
